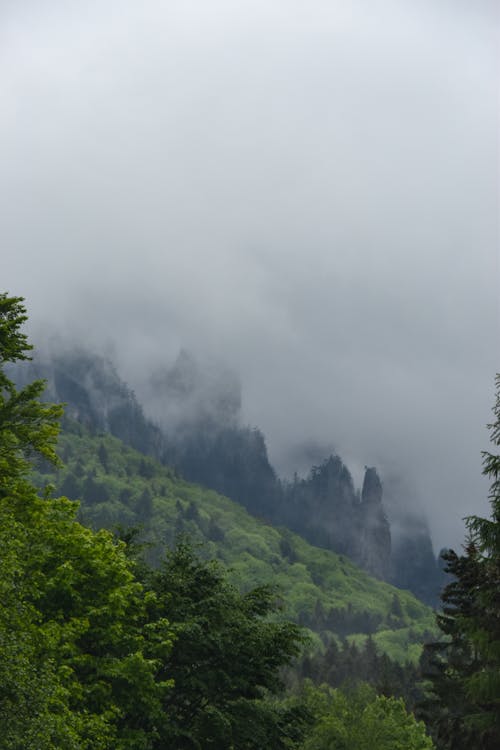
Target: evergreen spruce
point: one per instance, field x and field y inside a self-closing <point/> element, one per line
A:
<point x="463" y="704"/>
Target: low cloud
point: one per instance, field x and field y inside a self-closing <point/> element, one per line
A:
<point x="307" y="193"/>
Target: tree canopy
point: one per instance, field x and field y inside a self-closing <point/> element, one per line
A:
<point x="362" y="720"/>
<point x="226" y="657"/>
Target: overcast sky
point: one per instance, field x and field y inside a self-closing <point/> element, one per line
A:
<point x="305" y="190"/>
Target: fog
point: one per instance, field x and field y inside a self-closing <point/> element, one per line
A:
<point x="303" y="192"/>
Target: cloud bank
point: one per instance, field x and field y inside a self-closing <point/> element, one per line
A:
<point x="307" y="192"/>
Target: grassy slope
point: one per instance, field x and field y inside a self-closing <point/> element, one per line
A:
<point x="308" y="577"/>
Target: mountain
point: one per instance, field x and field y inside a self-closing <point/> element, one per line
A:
<point x="324" y="591"/>
<point x="197" y="430"/>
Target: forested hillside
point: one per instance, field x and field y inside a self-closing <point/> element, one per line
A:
<point x="100" y="650"/>
<point x="326" y="592"/>
<point x="197" y="429"/>
<point x="156" y="613"/>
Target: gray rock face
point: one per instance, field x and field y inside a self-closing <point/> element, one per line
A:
<point x="375" y="543"/>
<point x="326" y="509"/>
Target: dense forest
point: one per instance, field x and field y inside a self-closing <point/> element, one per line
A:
<point x="140" y="611"/>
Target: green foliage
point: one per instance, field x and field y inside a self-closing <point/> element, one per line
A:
<point x="362" y="720"/>
<point x="27" y="427"/>
<point x="210" y="448"/>
<point x="13" y="344"/>
<point x="99" y="653"/>
<point x="81" y="634"/>
<point x="351" y="602"/>
<point x="349" y="664"/>
<point x="463" y="704"/>
<point x="93" y="659"/>
<point x="33" y="702"/>
<point x="78" y="656"/>
<point x="226" y="657"/>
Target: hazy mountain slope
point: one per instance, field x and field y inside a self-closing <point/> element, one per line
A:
<point x="322" y="590"/>
<point x="198" y="429"/>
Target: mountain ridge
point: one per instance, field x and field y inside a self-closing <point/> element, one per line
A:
<point x="323" y="591"/>
<point x="207" y="444"/>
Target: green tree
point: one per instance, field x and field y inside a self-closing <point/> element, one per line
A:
<point x="34" y="711"/>
<point x="361" y="720"/>
<point x="79" y="654"/>
<point x="28" y="427"/>
<point x="226" y="658"/>
<point x="87" y="651"/>
<point x="86" y="624"/>
<point x="463" y="701"/>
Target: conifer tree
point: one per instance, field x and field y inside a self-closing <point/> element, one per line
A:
<point x="463" y="705"/>
<point x="28" y="427"/>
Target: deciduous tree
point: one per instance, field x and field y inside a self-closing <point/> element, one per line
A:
<point x="79" y="654"/>
<point x="362" y="720"/>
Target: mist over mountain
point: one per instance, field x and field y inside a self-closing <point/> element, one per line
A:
<point x="199" y="405"/>
<point x="193" y="423"/>
<point x="258" y="245"/>
<point x="307" y="194"/>
<point x="189" y="396"/>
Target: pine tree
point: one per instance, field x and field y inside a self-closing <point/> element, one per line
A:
<point x="463" y="705"/>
